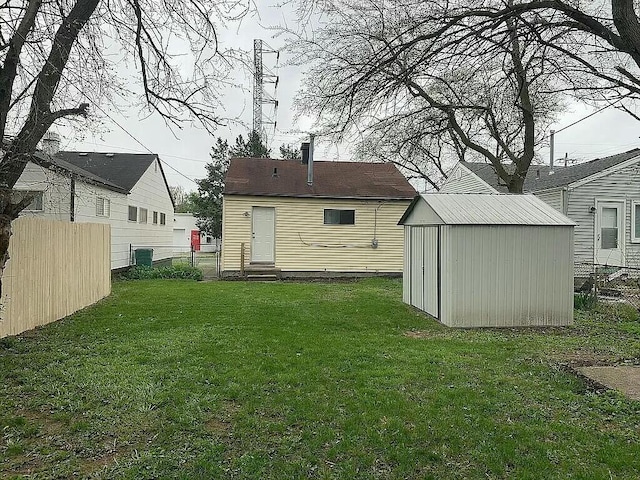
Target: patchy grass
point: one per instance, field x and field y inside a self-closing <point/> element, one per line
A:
<point x="174" y="379"/>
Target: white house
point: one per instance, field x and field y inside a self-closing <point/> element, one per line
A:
<point x="183" y="225"/>
<point x="128" y="191"/>
<point x="602" y="196"/>
<point x="478" y="260"/>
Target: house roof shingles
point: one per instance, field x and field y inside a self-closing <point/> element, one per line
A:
<point x="288" y="178"/>
<point x="121" y="169"/>
<point x="538" y="177"/>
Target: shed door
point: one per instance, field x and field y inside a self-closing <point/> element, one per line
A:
<point x="423" y="269"/>
<point x="263" y="235"/>
<point x="609" y="233"/>
<point x="430" y="271"/>
<point x="417" y="267"/>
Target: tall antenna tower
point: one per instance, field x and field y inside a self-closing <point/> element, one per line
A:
<point x="261" y="77"/>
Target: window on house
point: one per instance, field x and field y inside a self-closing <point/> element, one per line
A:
<point x="133" y="214"/>
<point x="103" y="207"/>
<point x="339" y="217"/>
<point x="143" y="215"/>
<point x="163" y="219"/>
<point x="155" y="218"/>
<point x="37" y="202"/>
<point x="635" y="222"/>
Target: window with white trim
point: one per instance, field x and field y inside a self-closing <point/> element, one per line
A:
<point x="103" y="207"/>
<point x="635" y="222"/>
<point x="133" y="214"/>
<point x="142" y="216"/>
<point x="37" y="202"/>
<point x="155" y="218"/>
<point x="163" y="219"/>
<point x="339" y="217"/>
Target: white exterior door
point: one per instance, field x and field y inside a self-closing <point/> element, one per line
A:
<point x="263" y="234"/>
<point x="609" y="233"/>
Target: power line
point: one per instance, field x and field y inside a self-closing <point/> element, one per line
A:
<point x="62" y="75"/>
<point x="589" y="116"/>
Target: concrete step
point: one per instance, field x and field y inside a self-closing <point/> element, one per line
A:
<point x="262" y="277"/>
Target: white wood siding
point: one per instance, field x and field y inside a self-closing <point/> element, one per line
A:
<point x="150" y="192"/>
<point x="305" y="244"/>
<point x="56" y="192"/>
<point x="553" y="198"/>
<point x="621" y="185"/>
<point x="502" y="276"/>
<point x="462" y="180"/>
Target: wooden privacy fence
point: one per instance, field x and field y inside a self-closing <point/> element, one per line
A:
<point x="55" y="269"/>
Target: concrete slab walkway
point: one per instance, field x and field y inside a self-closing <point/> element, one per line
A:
<point x="625" y="379"/>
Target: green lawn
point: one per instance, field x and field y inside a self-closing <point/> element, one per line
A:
<point x="178" y="379"/>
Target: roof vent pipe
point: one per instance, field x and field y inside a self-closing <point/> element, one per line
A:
<point x="310" y="164"/>
<point x="305" y="152"/>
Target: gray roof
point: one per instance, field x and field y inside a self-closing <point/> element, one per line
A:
<point x="121" y="169"/>
<point x="489" y="209"/>
<point x="539" y="177"/>
<point x="49" y="162"/>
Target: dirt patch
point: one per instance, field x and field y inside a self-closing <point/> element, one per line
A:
<point x="623" y="378"/>
<point x="423" y="334"/>
<point x="223" y="421"/>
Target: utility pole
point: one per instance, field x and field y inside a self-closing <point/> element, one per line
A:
<point x="261" y="77"/>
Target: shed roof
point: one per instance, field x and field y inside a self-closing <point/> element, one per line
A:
<point x="488" y="209"/>
<point x="288" y="178"/>
<point x="543" y="177"/>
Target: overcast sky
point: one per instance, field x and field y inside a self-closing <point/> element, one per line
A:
<point x="187" y="150"/>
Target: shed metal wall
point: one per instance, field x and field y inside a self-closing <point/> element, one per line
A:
<point x="506" y="276"/>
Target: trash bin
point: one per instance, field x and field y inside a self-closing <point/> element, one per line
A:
<point x="144" y="256"/>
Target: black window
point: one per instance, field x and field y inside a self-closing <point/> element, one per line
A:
<point x="36" y="204"/>
<point x="133" y="214"/>
<point x="339" y="217"/>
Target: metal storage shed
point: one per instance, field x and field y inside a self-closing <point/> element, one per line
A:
<point x="480" y="260"/>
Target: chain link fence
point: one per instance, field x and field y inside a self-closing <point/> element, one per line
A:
<point x="165" y="255"/>
<point x="609" y="283"/>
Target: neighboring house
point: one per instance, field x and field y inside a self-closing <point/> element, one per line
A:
<point x="128" y="191"/>
<point x="315" y="219"/>
<point x="183" y="225"/>
<point x="602" y="196"/>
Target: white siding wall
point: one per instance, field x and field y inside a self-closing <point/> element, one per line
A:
<point x="506" y="276"/>
<point x="56" y="192"/>
<point x="461" y="180"/>
<point x="305" y="244"/>
<point x="553" y="198"/>
<point x="150" y="192"/>
<point x="621" y="185"/>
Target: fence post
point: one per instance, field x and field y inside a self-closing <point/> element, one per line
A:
<point x="242" y="259"/>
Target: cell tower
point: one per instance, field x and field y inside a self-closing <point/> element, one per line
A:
<point x="261" y="77"/>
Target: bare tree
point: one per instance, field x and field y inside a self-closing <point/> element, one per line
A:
<point x="428" y="82"/>
<point x="61" y="59"/>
